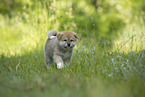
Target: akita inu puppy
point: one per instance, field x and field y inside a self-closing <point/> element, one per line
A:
<point x="59" y="47"/>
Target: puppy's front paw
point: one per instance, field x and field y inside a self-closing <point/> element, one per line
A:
<point x="60" y="65"/>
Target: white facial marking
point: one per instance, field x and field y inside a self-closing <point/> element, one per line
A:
<point x="66" y="44"/>
<point x="60" y="65"/>
<point x="71" y="45"/>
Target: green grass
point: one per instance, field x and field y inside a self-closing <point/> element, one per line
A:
<point x="94" y="72"/>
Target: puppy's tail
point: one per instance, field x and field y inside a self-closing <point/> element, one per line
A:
<point x="52" y="34"/>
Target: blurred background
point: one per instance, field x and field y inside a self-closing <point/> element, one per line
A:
<point x="24" y="23"/>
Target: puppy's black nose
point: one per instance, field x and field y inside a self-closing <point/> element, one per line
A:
<point x="68" y="44"/>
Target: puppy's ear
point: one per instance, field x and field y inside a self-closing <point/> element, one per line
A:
<point x="76" y="35"/>
<point x="59" y="35"/>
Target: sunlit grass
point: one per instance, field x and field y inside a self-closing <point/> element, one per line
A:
<point x="132" y="38"/>
<point x="18" y="37"/>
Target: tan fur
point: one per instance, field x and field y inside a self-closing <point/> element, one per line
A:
<point x="60" y="48"/>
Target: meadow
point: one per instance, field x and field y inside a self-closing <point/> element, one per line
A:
<point x="104" y="64"/>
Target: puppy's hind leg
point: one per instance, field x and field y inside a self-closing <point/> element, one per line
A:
<point x="48" y="61"/>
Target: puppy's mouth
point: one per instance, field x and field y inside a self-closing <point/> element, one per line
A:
<point x="68" y="45"/>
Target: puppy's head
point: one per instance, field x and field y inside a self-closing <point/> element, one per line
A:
<point x="67" y="39"/>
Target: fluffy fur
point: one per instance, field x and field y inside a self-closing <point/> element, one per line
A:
<point x="59" y="47"/>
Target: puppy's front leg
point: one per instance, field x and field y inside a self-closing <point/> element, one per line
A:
<point x="58" y="60"/>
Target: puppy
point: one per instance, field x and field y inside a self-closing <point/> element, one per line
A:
<point x="59" y="47"/>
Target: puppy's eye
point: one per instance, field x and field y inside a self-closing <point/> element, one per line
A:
<point x="65" y="40"/>
<point x="71" y="40"/>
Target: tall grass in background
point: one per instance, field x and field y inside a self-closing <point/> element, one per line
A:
<point x="37" y="18"/>
<point x="29" y="27"/>
<point x="108" y="60"/>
